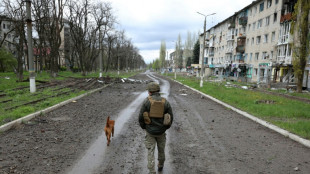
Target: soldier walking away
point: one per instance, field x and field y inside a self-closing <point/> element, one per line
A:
<point x="155" y="117"/>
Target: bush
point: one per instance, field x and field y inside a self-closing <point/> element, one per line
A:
<point x="63" y="68"/>
<point x="7" y="61"/>
<point x="75" y="69"/>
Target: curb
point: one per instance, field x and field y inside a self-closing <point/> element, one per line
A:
<point x="9" y="125"/>
<point x="275" y="128"/>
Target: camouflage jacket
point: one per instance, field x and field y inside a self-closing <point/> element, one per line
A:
<point x="156" y="127"/>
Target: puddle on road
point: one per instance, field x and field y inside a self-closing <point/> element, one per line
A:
<point x="94" y="156"/>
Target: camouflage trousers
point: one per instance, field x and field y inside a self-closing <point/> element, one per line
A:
<point x="150" y="142"/>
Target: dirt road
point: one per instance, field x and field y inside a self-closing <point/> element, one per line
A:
<point x="204" y="138"/>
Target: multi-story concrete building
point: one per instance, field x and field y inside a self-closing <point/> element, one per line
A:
<point x="6" y="33"/>
<point x="173" y="65"/>
<point x="253" y="44"/>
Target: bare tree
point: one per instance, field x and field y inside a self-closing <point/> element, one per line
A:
<point x="78" y="21"/>
<point x="188" y="49"/>
<point x="120" y="49"/>
<point x="179" y="52"/>
<point x="55" y="26"/>
<point x="49" y="24"/>
<point x="162" y="54"/>
<point x="102" y="13"/>
<point x="41" y="16"/>
<point x="110" y="42"/>
<point x="15" y="10"/>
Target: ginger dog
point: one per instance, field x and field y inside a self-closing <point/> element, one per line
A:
<point x="109" y="129"/>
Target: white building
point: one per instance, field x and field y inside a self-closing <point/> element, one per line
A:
<point x="253" y="44"/>
<point x="6" y="33"/>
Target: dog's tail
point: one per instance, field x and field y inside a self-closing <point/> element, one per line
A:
<point x="107" y="124"/>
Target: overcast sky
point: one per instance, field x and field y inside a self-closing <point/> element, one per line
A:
<point x="147" y="22"/>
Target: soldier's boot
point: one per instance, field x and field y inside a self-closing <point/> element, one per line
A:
<point x="160" y="167"/>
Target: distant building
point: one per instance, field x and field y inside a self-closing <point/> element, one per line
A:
<point x="6" y="33"/>
<point x="174" y="61"/>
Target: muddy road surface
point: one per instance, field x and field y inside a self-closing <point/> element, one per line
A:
<point x="204" y="138"/>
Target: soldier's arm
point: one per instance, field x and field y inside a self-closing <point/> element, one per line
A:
<point x="168" y="109"/>
<point x="141" y="119"/>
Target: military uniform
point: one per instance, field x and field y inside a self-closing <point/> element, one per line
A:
<point x="155" y="128"/>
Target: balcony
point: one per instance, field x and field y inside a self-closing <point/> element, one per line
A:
<point x="211" y="44"/>
<point x="240" y="45"/>
<point x="240" y="58"/>
<point x="206" y="43"/>
<point x="230" y="37"/>
<point x="232" y="23"/>
<point x="286" y="17"/>
<point x="211" y="54"/>
<point x="240" y="49"/>
<point x="242" y="34"/>
<point x="243" y="21"/>
<point x="283" y="39"/>
<point x="288" y="60"/>
<point x="284" y="60"/>
<point x="281" y="59"/>
<point x="229" y="50"/>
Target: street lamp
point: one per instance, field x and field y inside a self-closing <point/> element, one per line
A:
<point x="203" y="49"/>
<point x="175" y="61"/>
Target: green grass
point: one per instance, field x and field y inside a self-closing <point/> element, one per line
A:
<point x="8" y="85"/>
<point x="284" y="91"/>
<point x="289" y="114"/>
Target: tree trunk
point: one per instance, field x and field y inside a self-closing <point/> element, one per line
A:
<point x="301" y="40"/>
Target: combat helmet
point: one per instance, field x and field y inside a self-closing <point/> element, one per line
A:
<point x="153" y="87"/>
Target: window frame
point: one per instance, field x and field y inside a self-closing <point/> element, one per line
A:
<point x="267" y="21"/>
<point x="273" y="36"/>
<point x="258" y="40"/>
<point x="261" y="7"/>
<point x="266" y="38"/>
<point x="275" y="17"/>
<point x="269" y="3"/>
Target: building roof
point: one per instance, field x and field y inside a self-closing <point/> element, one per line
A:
<point x="235" y="14"/>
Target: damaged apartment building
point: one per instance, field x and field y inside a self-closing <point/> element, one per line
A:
<point x="253" y="45"/>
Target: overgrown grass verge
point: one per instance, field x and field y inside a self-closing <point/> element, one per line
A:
<point x="16" y="103"/>
<point x="289" y="114"/>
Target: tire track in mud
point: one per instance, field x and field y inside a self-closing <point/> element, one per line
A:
<point x="203" y="146"/>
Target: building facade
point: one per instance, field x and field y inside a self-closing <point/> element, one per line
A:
<point x="7" y="35"/>
<point x="253" y="44"/>
<point x="8" y="38"/>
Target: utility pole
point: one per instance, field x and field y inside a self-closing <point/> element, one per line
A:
<point x="175" y="64"/>
<point x="166" y="63"/>
<point x="117" y="59"/>
<point x="100" y="54"/>
<point x="203" y="49"/>
<point x="174" y="61"/>
<point x="32" y="75"/>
